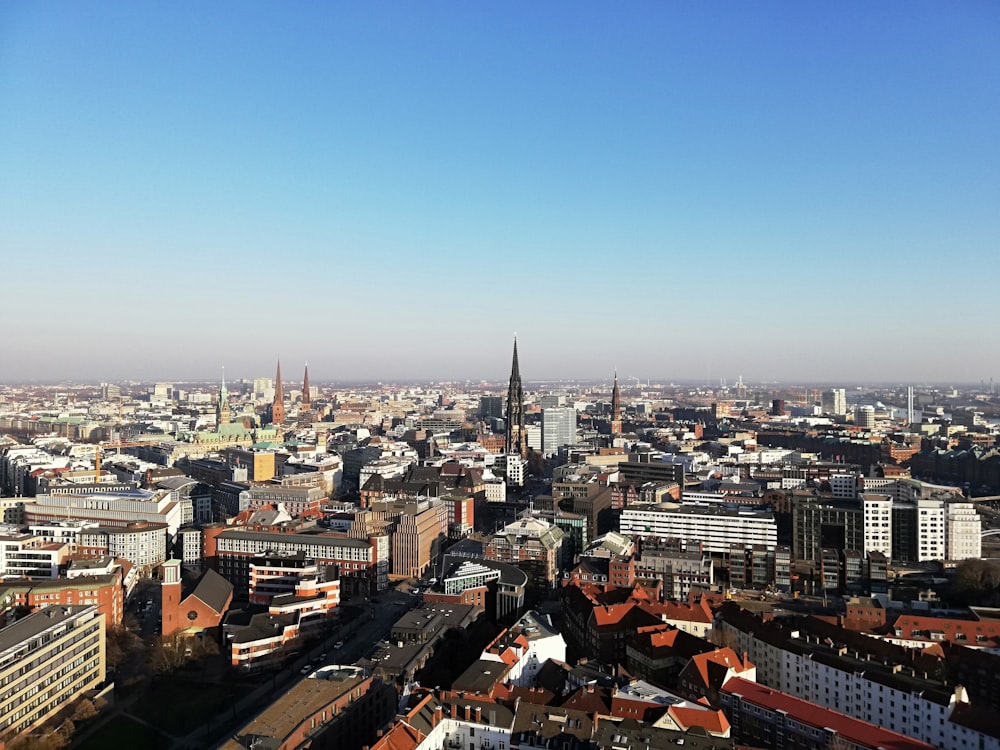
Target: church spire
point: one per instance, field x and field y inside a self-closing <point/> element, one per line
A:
<point x="306" y="398"/>
<point x="516" y="439"/>
<point x="278" y="405"/>
<point x="616" y="408"/>
<point x="223" y="415"/>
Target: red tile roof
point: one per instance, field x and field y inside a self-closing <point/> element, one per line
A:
<point x="854" y="730"/>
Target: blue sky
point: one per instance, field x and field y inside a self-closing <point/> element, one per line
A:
<point x="787" y="191"/>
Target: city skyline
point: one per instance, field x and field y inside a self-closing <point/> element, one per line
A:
<point x="788" y="193"/>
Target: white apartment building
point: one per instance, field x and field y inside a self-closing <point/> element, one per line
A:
<point x="716" y="527"/>
<point x="877" y="524"/>
<point x="889" y="697"/>
<point x="28" y="555"/>
<point x="930" y="530"/>
<point x="496" y="490"/>
<point x="964" y="532"/>
<point x="544" y="643"/>
<point x="513" y="468"/>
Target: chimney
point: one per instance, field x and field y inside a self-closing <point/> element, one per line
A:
<point x="438" y="714"/>
<point x="479" y="713"/>
<point x="454" y="710"/>
<point x="468" y="713"/>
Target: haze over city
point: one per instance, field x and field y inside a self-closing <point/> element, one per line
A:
<point x="779" y="191"/>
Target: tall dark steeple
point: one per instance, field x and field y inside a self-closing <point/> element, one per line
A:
<point x="278" y="405"/>
<point x="516" y="438"/>
<point x="306" y="399"/>
<point x="616" y="408"/>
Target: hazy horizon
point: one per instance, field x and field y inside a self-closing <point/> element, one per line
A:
<point x="783" y="191"/>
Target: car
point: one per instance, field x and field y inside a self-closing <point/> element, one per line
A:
<point x="305" y="670"/>
<point x="338" y="644"/>
<point x="322" y="657"/>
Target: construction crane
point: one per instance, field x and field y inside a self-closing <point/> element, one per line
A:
<point x="112" y="444"/>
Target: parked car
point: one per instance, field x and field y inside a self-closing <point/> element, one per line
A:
<point x="306" y="669"/>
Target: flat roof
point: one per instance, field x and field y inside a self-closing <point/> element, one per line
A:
<point x="37" y="623"/>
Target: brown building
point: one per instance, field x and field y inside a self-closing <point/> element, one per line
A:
<point x="416" y="528"/>
<point x="336" y="708"/>
<point x="103" y="591"/>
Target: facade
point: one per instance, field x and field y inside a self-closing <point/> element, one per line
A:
<point x="763" y="717"/>
<point x="233" y="550"/>
<point x="558" y="428"/>
<point x="102" y="591"/>
<point x="964" y="532"/>
<point x="336" y="708"/>
<point x="716" y="527"/>
<point x="48" y="659"/>
<point x="532" y="545"/>
<point x="108" y="509"/>
<point x="297" y="501"/>
<point x="877" y="511"/>
<point x="142" y="544"/>
<point x="871" y="685"/>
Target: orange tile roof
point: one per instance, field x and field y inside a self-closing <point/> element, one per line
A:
<point x="713" y="722"/>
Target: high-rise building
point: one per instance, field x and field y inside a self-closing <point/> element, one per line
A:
<point x="491" y="407"/>
<point x="835" y="401"/>
<point x="558" y="428"/>
<point x="864" y="417"/>
<point x="278" y="405"/>
<point x="515" y="410"/>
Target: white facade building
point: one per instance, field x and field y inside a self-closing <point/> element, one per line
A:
<point x="878" y="524"/>
<point x="930" y="530"/>
<point x="964" y="532"/>
<point x="865" y="690"/>
<point x="716" y="527"/>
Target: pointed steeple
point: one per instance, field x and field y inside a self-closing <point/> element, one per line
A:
<point x="278" y="405"/>
<point x="516" y="440"/>
<point x="223" y="415"/>
<point x="616" y="408"/>
<point x="306" y="399"/>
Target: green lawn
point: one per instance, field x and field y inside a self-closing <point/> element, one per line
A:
<point x="123" y="732"/>
<point x="179" y="706"/>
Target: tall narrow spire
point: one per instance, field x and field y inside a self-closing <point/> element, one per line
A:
<point x="616" y="408"/>
<point x="278" y="405"/>
<point x="516" y="439"/>
<point x="223" y="415"/>
<point x="306" y="398"/>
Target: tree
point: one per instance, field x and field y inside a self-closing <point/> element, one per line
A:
<point x="976" y="582"/>
<point x="85" y="709"/>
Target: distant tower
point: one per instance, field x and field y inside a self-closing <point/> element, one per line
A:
<point x="516" y="438"/>
<point x="223" y="415"/>
<point x="278" y="405"/>
<point x="616" y="408"/>
<point x="306" y="398"/>
<point x="909" y="405"/>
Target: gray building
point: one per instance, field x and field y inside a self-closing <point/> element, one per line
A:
<point x="558" y="428"/>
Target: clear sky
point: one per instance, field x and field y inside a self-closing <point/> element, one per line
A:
<point x="788" y="191"/>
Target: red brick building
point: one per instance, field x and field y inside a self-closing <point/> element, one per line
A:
<point x="200" y="607"/>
